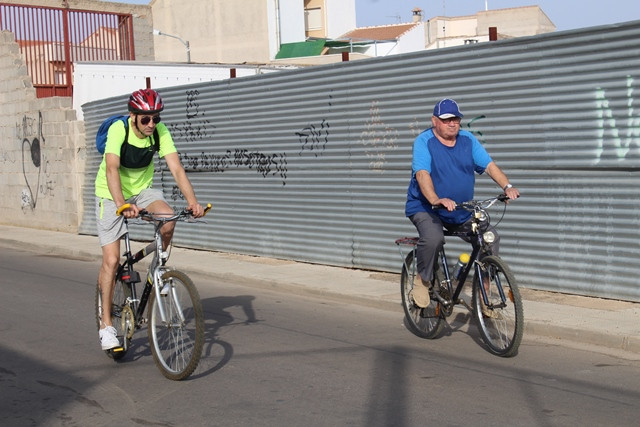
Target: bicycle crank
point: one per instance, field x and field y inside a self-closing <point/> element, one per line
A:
<point x="127" y="322"/>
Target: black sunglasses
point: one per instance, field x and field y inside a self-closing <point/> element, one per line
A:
<point x="145" y="120"/>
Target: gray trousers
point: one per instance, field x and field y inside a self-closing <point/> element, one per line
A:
<point x="431" y="238"/>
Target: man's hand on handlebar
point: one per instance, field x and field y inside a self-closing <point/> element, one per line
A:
<point x="449" y="204"/>
<point x="196" y="210"/>
<point x="512" y="193"/>
<point x="130" y="211"/>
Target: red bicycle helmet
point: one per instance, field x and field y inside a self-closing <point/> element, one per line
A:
<point x="145" y="101"/>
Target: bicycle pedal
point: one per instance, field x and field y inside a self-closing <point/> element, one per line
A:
<point x="115" y="351"/>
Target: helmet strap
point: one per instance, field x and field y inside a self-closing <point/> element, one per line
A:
<point x="135" y="123"/>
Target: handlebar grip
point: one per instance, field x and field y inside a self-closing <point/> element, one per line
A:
<point x="207" y="209"/>
<point x="503" y="197"/>
<point x="123" y="208"/>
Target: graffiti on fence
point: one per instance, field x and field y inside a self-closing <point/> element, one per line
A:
<point x="613" y="144"/>
<point x="378" y="139"/>
<point x="477" y="133"/>
<point x="265" y="164"/>
<point x="314" y="138"/>
<point x="196" y="127"/>
<point x="414" y="127"/>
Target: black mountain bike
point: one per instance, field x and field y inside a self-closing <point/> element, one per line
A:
<point x="496" y="304"/>
<point x="175" y="318"/>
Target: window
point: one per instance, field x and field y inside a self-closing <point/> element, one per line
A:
<point x="313" y="19"/>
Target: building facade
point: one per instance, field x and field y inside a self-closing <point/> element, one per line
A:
<point x="244" y="31"/>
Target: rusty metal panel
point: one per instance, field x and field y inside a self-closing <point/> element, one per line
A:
<point x="313" y="164"/>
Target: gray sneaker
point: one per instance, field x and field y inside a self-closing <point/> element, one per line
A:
<point x="108" y="339"/>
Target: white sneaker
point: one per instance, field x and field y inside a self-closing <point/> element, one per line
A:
<point x="108" y="339"/>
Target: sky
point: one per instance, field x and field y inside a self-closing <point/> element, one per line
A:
<point x="565" y="14"/>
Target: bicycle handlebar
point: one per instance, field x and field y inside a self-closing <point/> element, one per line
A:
<point x="144" y="213"/>
<point x="473" y="204"/>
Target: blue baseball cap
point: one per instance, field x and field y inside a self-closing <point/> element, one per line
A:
<point x="446" y="109"/>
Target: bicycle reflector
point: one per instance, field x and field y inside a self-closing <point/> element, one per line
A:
<point x="130" y="276"/>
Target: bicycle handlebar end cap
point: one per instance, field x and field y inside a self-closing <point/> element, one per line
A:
<point x="122" y="209"/>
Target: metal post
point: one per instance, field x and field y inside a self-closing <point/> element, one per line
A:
<point x="184" y="42"/>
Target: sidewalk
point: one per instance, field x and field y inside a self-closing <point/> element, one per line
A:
<point x="608" y="324"/>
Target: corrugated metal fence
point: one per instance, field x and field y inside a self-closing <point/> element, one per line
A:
<point x="313" y="165"/>
<point x="52" y="38"/>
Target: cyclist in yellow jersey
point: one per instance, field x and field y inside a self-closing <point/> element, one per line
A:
<point x="125" y="176"/>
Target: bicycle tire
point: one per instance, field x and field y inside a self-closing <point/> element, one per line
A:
<point x="177" y="345"/>
<point x="121" y="317"/>
<point x="425" y="322"/>
<point x="501" y="327"/>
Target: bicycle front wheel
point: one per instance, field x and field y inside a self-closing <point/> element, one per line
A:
<point x="177" y="340"/>
<point x="424" y="322"/>
<point x="501" y="320"/>
<point x="121" y="316"/>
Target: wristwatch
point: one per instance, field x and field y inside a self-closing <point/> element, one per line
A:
<point x="506" y="187"/>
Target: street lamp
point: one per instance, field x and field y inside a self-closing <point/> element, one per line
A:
<point x="184" y="42"/>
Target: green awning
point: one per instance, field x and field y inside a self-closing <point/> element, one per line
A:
<point x="296" y="50"/>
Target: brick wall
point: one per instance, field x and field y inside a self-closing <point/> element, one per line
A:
<point x="42" y="149"/>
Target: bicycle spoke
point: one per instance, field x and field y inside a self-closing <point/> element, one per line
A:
<point x="177" y="341"/>
<point x="500" y="320"/>
<point x="425" y="322"/>
<point x="121" y="316"/>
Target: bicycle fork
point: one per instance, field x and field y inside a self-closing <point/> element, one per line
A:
<point x="485" y="274"/>
<point x="164" y="290"/>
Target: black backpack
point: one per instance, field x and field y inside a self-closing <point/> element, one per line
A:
<point x="131" y="157"/>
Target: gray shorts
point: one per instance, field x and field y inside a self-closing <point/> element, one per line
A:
<point x="110" y="226"/>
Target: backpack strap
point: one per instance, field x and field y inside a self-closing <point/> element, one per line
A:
<point x="156" y="140"/>
<point x="126" y="130"/>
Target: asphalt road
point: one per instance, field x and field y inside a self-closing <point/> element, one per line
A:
<point x="274" y="359"/>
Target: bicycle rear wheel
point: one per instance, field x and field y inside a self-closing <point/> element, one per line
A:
<point x="177" y="343"/>
<point x="121" y="316"/>
<point x="424" y="322"/>
<point x="501" y="321"/>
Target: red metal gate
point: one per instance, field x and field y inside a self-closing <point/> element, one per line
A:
<point x="51" y="39"/>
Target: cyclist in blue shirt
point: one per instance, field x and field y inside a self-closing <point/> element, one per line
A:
<point x="445" y="160"/>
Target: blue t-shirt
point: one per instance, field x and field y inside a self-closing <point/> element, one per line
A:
<point x="452" y="172"/>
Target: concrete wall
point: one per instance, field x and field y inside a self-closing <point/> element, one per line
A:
<point x="511" y="22"/>
<point x="286" y="21"/>
<point x="42" y="149"/>
<point x="515" y="22"/>
<point x="341" y="17"/>
<point x="216" y="32"/>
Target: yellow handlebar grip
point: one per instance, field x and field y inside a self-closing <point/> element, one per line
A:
<point x="123" y="208"/>
<point x="207" y="209"/>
